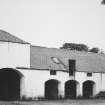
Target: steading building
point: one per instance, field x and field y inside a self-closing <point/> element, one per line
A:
<point x="34" y="72"/>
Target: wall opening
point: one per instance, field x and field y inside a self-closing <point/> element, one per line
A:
<point x="9" y="84"/>
<point x="51" y="89"/>
<point x="72" y="67"/>
<point x="71" y="89"/>
<point x="88" y="89"/>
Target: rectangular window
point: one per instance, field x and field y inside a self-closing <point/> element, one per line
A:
<point x="89" y="74"/>
<point x="52" y="72"/>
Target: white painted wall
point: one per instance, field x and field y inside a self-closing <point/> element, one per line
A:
<point x="34" y="81"/>
<point x="103" y="81"/>
<point x="14" y="55"/>
<point x="96" y="77"/>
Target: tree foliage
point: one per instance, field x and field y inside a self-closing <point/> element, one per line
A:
<point x="81" y="47"/>
<point x="103" y="2"/>
<point x="95" y="50"/>
<point x="74" y="46"/>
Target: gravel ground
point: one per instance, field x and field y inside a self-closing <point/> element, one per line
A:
<point x="61" y="102"/>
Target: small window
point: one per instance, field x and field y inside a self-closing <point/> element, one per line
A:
<point x="89" y="74"/>
<point x="52" y="72"/>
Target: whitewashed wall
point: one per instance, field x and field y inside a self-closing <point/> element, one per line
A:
<point x="14" y="55"/>
<point x="34" y="82"/>
<point x="96" y="77"/>
<point x="103" y="81"/>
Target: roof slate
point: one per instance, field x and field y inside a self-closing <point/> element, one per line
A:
<point x="7" y="37"/>
<point x="89" y="62"/>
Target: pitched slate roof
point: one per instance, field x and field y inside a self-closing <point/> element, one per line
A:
<point x="7" y="37"/>
<point x="41" y="58"/>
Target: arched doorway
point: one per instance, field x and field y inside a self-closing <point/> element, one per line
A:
<point x="88" y="88"/>
<point x="51" y="89"/>
<point x="9" y="84"/>
<point x="71" y="89"/>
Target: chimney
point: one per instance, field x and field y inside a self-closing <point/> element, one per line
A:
<point x="72" y="67"/>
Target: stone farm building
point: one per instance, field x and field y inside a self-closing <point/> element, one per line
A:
<point x="28" y="71"/>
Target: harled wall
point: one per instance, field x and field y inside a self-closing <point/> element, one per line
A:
<point x="14" y="55"/>
<point x="34" y="82"/>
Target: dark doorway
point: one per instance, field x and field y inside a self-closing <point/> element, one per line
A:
<point x="71" y="89"/>
<point x="9" y="84"/>
<point x="88" y="88"/>
<point x="51" y="89"/>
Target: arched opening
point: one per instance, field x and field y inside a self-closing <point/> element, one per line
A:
<point x="10" y="84"/>
<point x="51" y="89"/>
<point x="88" y="89"/>
<point x="71" y="89"/>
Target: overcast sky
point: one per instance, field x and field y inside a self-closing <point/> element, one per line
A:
<point x="51" y="23"/>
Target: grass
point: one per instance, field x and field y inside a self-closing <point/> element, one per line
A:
<point x="58" y="102"/>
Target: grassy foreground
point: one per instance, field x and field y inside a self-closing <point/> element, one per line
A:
<point x="59" y="102"/>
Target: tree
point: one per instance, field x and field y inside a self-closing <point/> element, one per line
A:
<point x="103" y="2"/>
<point x="74" y="46"/>
<point x="95" y="50"/>
<point x="81" y="47"/>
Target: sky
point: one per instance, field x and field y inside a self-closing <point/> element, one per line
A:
<point x="52" y="23"/>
